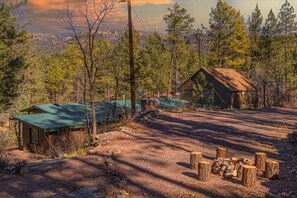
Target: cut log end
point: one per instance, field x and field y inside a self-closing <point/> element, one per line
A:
<point x="204" y="171"/>
<point x="249" y="176"/>
<point x="222" y="152"/>
<point x="260" y="159"/>
<point x="260" y="153"/>
<point x="272" y="170"/>
<point x="195" y="157"/>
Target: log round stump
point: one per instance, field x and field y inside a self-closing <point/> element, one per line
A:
<point x="272" y="170"/>
<point x="249" y="176"/>
<point x="195" y="157"/>
<point x="260" y="159"/>
<point x="204" y="171"/>
<point x="222" y="152"/>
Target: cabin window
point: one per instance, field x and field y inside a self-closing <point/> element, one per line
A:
<point x="34" y="136"/>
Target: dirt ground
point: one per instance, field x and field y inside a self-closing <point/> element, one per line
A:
<point x="155" y="159"/>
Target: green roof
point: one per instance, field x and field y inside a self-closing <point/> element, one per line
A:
<point x="51" y="122"/>
<point x="72" y="115"/>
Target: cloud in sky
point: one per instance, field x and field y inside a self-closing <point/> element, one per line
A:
<point x="49" y="15"/>
<point x="60" y="4"/>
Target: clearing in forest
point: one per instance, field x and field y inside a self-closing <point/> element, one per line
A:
<point x="154" y="159"/>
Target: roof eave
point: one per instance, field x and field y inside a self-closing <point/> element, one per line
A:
<point x="64" y="128"/>
<point x="27" y="123"/>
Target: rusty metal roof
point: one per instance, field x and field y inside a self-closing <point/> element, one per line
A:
<point x="231" y="79"/>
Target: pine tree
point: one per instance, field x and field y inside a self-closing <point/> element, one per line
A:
<point x="201" y="40"/>
<point x="202" y="89"/>
<point x="270" y="57"/>
<point x="154" y="62"/>
<point x="179" y="24"/>
<point x="118" y="72"/>
<point x="287" y="27"/>
<point x="13" y="37"/>
<point x="227" y="37"/>
<point x="55" y="77"/>
<point x="254" y="30"/>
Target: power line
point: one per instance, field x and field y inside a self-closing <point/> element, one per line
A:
<point x="139" y="20"/>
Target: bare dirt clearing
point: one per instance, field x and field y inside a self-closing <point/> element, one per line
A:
<point x="155" y="158"/>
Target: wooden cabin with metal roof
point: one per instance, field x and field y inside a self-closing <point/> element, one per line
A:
<point x="230" y="88"/>
<point x="41" y="123"/>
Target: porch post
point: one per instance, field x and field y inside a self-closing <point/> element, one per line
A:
<point x="19" y="135"/>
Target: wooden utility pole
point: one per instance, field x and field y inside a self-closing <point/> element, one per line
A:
<point x="132" y="68"/>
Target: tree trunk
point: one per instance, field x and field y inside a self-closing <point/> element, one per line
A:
<point x="249" y="176"/>
<point x="93" y="110"/>
<point x="272" y="170"/>
<point x="264" y="94"/>
<point x="260" y="159"/>
<point x="201" y="99"/>
<point x="204" y="171"/>
<point x="171" y="69"/>
<point x="222" y="152"/>
<point x="195" y="157"/>
<point x="199" y="52"/>
<point x="116" y="98"/>
<point x="132" y="66"/>
<point x="85" y="102"/>
<point x="218" y="52"/>
<point x="176" y="74"/>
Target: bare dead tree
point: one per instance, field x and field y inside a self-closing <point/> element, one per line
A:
<point x="85" y="33"/>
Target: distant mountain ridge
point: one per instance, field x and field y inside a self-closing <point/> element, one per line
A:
<point x="52" y="43"/>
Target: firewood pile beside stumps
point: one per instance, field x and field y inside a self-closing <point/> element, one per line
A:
<point x="229" y="167"/>
<point x="242" y="167"/>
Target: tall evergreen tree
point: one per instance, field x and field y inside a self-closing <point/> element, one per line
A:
<point x="201" y="40"/>
<point x="287" y="27"/>
<point x="228" y="37"/>
<point x="270" y="57"/>
<point x="13" y="37"/>
<point x="154" y="61"/>
<point x="119" y="69"/>
<point x="254" y="31"/>
<point x="179" y="24"/>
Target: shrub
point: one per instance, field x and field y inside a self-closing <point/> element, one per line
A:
<point x="65" y="143"/>
<point x="5" y="142"/>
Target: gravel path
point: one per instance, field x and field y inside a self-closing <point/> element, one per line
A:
<point x="154" y="158"/>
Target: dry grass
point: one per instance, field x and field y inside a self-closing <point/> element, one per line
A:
<point x="5" y="142"/>
<point x="65" y="143"/>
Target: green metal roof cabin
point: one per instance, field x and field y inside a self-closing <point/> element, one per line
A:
<point x="41" y="122"/>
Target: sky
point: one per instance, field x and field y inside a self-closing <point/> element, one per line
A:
<point x="49" y="16"/>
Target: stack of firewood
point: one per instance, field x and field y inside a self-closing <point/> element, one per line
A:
<point x="229" y="167"/>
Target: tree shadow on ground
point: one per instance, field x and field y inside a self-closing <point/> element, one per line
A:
<point x="68" y="177"/>
<point x="286" y="185"/>
<point x="59" y="180"/>
<point x="209" y="133"/>
<point x="190" y="174"/>
<point x="239" y="139"/>
<point x="184" y="164"/>
<point x="156" y="175"/>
